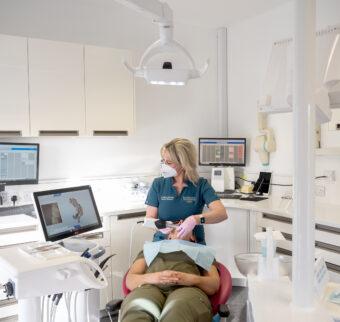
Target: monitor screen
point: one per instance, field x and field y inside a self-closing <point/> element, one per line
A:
<point x="67" y="212"/>
<point x="262" y="184"/>
<point x="19" y="163"/>
<point x="222" y="151"/>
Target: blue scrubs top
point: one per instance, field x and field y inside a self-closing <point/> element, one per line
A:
<point x="173" y="206"/>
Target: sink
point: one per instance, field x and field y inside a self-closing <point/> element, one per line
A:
<point x="247" y="264"/>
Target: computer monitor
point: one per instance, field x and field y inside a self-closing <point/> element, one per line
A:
<point x="222" y="151"/>
<point x="262" y="184"/>
<point x="67" y="212"/>
<point x="19" y="163"/>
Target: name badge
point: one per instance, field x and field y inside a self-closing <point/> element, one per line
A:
<point x="189" y="199"/>
<point x="167" y="198"/>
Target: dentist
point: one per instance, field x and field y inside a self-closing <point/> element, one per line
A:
<point x="180" y="194"/>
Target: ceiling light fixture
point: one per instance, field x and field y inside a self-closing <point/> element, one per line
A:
<point x="161" y="14"/>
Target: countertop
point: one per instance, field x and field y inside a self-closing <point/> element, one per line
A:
<point x="325" y="214"/>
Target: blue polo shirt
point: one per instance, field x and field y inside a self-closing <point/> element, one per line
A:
<point x="173" y="206"/>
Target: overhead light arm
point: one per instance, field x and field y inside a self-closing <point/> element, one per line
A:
<point x="159" y="12"/>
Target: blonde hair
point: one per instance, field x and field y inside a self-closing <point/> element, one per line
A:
<point x="183" y="152"/>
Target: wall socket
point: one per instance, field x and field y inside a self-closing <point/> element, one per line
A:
<point x="320" y="191"/>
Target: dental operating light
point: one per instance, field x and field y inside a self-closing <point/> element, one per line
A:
<point x="166" y="74"/>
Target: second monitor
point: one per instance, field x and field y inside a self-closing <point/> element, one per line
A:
<point x="222" y="151"/>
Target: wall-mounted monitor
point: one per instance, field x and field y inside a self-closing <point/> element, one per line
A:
<point x="67" y="212"/>
<point x="19" y="163"/>
<point x="222" y="151"/>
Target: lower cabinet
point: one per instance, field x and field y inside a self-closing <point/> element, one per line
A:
<point x="127" y="240"/>
<point x="229" y="238"/>
<point x="327" y="241"/>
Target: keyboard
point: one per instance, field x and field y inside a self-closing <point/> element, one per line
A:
<point x="228" y="196"/>
<point x="253" y="198"/>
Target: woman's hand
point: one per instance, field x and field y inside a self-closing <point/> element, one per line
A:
<point x="164" y="277"/>
<point x="185" y="229"/>
<point x="187" y="279"/>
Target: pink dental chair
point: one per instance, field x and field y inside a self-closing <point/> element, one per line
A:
<point x="218" y="300"/>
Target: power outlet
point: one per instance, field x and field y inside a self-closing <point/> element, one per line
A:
<point x="330" y="174"/>
<point x="320" y="191"/>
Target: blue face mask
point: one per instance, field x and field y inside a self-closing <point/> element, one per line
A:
<point x="202" y="255"/>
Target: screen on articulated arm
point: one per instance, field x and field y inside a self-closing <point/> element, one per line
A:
<point x="67" y="212"/>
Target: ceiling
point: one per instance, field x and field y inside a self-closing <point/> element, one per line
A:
<point x="218" y="13"/>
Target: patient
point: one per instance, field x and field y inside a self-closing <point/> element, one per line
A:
<point x="173" y="288"/>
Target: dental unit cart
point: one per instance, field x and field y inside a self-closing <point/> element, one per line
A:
<point x="64" y="268"/>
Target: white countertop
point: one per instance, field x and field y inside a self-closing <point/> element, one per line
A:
<point x="325" y="214"/>
<point x="271" y="300"/>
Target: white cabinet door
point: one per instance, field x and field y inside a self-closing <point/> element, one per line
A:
<point x="56" y="78"/>
<point x="229" y="238"/>
<point x="127" y="240"/>
<point x="14" y="104"/>
<point x="109" y="92"/>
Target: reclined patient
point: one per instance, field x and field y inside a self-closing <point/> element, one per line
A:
<point x="169" y="283"/>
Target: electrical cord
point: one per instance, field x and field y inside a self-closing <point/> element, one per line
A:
<point x="131" y="238"/>
<point x="279" y="184"/>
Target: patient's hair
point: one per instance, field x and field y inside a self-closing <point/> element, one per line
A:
<point x="173" y="235"/>
<point x="183" y="152"/>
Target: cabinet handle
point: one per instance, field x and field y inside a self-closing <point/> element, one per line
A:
<point x="10" y="133"/>
<point x="110" y="133"/>
<point x="58" y="133"/>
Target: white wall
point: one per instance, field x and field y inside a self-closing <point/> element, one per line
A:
<point x="250" y="45"/>
<point x="162" y="113"/>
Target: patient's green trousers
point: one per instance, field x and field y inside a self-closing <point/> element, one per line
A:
<point x="150" y="303"/>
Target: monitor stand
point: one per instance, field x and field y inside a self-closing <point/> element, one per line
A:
<point x="78" y="245"/>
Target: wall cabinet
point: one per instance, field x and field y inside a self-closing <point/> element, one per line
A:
<point x="108" y="91"/>
<point x="14" y="103"/>
<point x="50" y="88"/>
<point x="56" y="85"/>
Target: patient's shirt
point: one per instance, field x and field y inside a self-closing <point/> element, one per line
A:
<point x="175" y="261"/>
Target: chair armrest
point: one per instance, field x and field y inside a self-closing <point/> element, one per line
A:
<point x="223" y="310"/>
<point x="114" y="305"/>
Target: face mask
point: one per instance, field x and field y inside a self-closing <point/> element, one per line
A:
<point x="167" y="171"/>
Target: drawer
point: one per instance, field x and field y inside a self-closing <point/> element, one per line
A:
<point x="8" y="308"/>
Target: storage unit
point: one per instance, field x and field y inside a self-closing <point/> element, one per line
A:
<point x="230" y="237"/>
<point x="109" y="92"/>
<point x="56" y="88"/>
<point x="327" y="242"/>
<point x="14" y="104"/>
<point x="127" y="240"/>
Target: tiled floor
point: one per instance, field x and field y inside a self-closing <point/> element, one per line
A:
<point x="236" y="303"/>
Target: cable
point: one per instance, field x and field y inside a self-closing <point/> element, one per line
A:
<point x="42" y="308"/>
<point x="75" y="306"/>
<point x="87" y="305"/>
<point x="131" y="238"/>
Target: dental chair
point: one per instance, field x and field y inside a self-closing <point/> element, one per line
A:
<point x="218" y="300"/>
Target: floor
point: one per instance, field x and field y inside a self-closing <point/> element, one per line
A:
<point x="237" y="306"/>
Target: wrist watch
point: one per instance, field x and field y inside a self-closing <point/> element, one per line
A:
<point x="202" y="219"/>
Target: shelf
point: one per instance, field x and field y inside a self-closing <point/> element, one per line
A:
<point x="334" y="151"/>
